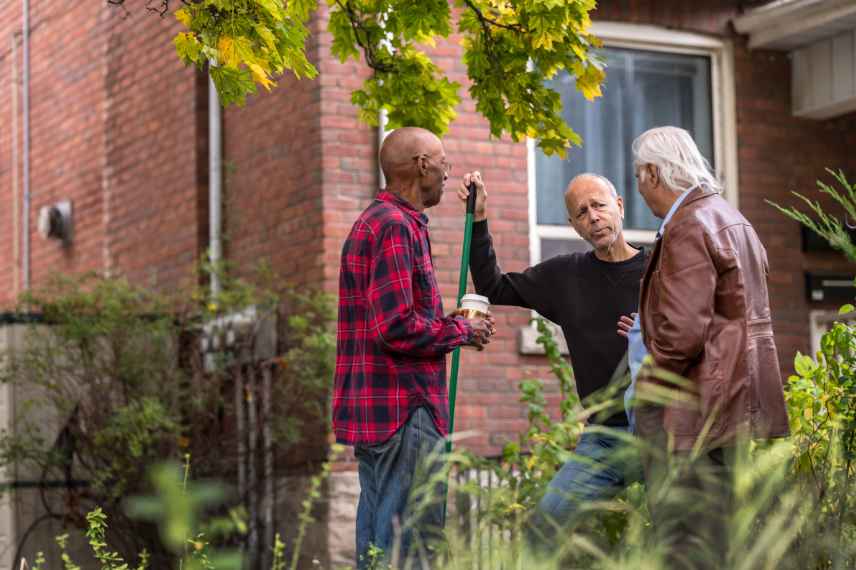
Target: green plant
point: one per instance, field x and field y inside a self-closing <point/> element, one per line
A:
<point x="529" y="463"/>
<point x="96" y="533"/>
<point x="828" y="226"/>
<point x="312" y="496"/>
<point x="124" y="376"/>
<point x="278" y="562"/>
<point x="178" y="507"/>
<point x="821" y="400"/>
<point x="67" y="563"/>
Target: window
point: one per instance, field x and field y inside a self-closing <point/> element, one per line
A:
<point x="654" y="77"/>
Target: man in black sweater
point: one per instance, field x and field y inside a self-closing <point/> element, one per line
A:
<point x="586" y="294"/>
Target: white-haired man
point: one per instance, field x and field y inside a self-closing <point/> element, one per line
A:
<point x="704" y="312"/>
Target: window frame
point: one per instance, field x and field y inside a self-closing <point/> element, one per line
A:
<point x="655" y="38"/>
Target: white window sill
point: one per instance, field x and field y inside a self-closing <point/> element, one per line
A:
<point x="527" y="340"/>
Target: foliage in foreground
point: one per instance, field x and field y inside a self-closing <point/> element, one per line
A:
<point x="131" y="378"/>
<point x="785" y="516"/>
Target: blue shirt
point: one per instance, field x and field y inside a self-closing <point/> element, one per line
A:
<point x="636" y="351"/>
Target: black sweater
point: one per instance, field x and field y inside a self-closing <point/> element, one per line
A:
<point x="580" y="293"/>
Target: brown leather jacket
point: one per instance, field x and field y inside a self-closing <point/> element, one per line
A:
<point x="705" y="315"/>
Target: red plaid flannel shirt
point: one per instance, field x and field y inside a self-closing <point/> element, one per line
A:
<point x="392" y="336"/>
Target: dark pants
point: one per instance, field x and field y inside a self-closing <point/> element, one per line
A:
<point x="398" y="512"/>
<point x="602" y="466"/>
<point x="691" y="502"/>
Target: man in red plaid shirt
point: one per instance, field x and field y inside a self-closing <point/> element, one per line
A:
<point x="390" y="399"/>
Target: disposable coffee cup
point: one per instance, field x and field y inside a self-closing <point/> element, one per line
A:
<point x="474" y="306"/>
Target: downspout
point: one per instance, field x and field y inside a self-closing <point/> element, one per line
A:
<point x="25" y="104"/>
<point x="382" y="121"/>
<point x="215" y="187"/>
<point x="16" y="236"/>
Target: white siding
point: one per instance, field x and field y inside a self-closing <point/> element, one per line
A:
<point x="824" y="77"/>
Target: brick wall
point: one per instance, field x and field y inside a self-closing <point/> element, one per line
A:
<point x="115" y="128"/>
<point x="66" y="109"/>
<point x="155" y="183"/>
<point x="272" y="179"/>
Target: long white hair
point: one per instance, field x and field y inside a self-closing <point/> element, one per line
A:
<point x="675" y="154"/>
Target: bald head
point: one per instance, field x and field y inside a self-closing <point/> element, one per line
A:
<point x="400" y="149"/>
<point x="415" y="167"/>
<point x="589" y="179"/>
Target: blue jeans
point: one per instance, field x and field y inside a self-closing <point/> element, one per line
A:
<point x="602" y="466"/>
<point x="398" y="512"/>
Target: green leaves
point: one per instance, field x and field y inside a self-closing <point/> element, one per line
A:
<point x="249" y="42"/>
<point x="827" y="226"/>
<point x="510" y="50"/>
<point x="821" y="401"/>
<point x="412" y="93"/>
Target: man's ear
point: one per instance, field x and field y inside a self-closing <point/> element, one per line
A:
<point x="422" y="165"/>
<point x="654" y="174"/>
<point x="620" y="201"/>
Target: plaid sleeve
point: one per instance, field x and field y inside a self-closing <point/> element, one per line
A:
<point x="393" y="319"/>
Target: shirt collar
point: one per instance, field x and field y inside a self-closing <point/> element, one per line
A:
<point x="672" y="210"/>
<point x="420" y="217"/>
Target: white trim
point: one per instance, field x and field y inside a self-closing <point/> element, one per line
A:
<point x="534" y="238"/>
<point x="819" y="323"/>
<point x="789" y="24"/>
<point x="727" y="167"/>
<point x="656" y="38"/>
<point x="723" y="104"/>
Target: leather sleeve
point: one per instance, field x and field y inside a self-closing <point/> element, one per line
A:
<point x="685" y="292"/>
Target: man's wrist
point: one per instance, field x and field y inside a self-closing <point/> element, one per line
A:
<point x="466" y="328"/>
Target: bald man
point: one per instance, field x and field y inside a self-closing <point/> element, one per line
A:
<point x="585" y="293"/>
<point x="390" y="399"/>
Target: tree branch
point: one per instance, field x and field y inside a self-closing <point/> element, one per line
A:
<point x="485" y="21"/>
<point x="361" y="34"/>
<point x="160" y="10"/>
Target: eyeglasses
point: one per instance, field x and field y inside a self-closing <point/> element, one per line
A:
<point x="444" y="164"/>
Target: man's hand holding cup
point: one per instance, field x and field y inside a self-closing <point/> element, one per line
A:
<point x="476" y="308"/>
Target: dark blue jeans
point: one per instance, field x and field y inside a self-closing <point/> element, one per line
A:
<point x="398" y="512"/>
<point x="602" y="466"/>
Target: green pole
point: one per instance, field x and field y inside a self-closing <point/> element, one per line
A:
<point x="462" y="290"/>
<point x="456" y="355"/>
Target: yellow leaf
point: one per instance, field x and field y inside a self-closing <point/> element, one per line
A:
<point x="273" y="7"/>
<point x="260" y="75"/>
<point x="183" y="16"/>
<point x="266" y="35"/>
<point x="588" y="82"/>
<point x="228" y="52"/>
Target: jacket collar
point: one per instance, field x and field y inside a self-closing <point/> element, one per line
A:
<point x="404" y="206"/>
<point x="697" y="194"/>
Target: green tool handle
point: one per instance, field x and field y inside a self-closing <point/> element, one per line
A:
<point x="462" y="290"/>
